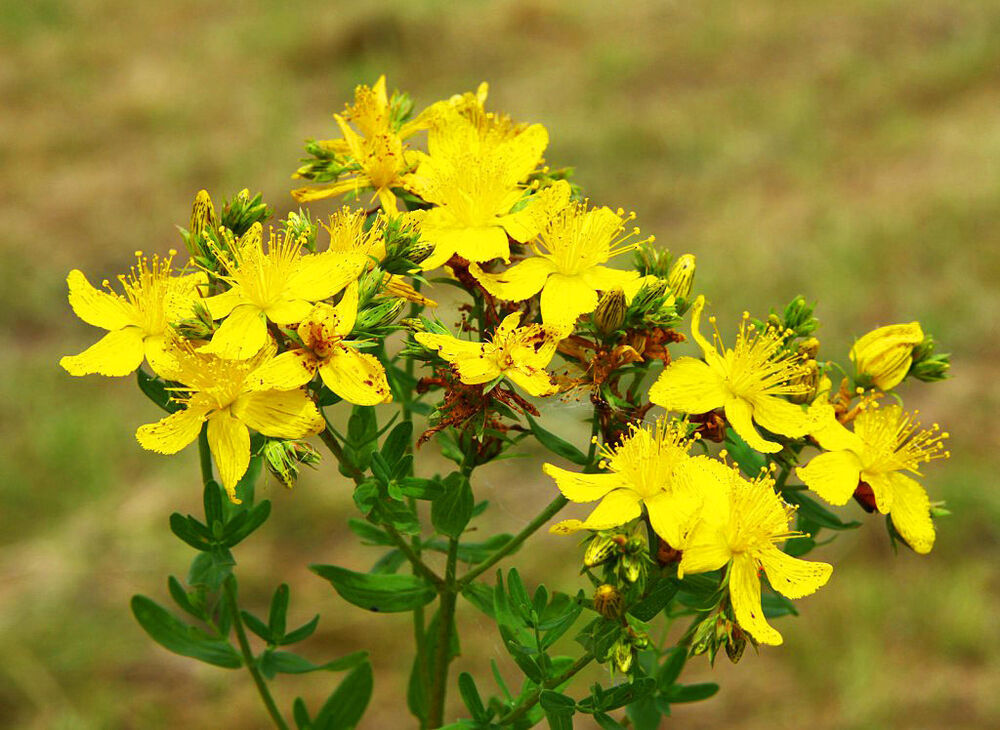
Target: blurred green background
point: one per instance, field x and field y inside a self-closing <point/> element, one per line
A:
<point x="849" y="151"/>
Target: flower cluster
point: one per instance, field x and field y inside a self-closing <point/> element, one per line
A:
<point x="253" y="344"/>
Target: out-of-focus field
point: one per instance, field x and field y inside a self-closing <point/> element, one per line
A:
<point x="849" y="151"/>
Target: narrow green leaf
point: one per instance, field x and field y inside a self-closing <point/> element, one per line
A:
<point x="659" y="597"/>
<point x="369" y="533"/>
<point x="559" y="709"/>
<point x="182" y="639"/>
<point x="397" y="443"/>
<point x="748" y="460"/>
<point x="156" y="390"/>
<point x="816" y="513"/>
<point x="556" y="445"/>
<point x="671" y="668"/>
<point x="378" y="592"/>
<point x="691" y="692"/>
<point x="190" y="531"/>
<point x="182" y="599"/>
<point x="212" y="499"/>
<point x="302" y="633"/>
<point x="301" y="715"/>
<point x="245" y="523"/>
<point x="257" y="626"/>
<point x="285" y="662"/>
<point x="276" y="616"/>
<point x="480" y="596"/>
<point x="344" y="708"/>
<point x="470" y="696"/>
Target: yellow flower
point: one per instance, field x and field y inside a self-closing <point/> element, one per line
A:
<point x="365" y="248"/>
<point x="748" y="381"/>
<point x="473" y="184"/>
<point x="744" y="535"/>
<point x="356" y="377"/>
<point x="227" y="395"/>
<point x="572" y="248"/>
<point x="519" y="354"/>
<point x="651" y="468"/>
<point x="885" y="442"/>
<point x="137" y="322"/>
<point x="279" y="285"/>
<point x="681" y="276"/>
<point x="379" y="158"/>
<point x="884" y="355"/>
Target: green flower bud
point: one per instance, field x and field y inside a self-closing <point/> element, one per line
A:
<point x="681" y="276"/>
<point x="610" y="313"/>
<point x="600" y="548"/>
<point x="622" y="655"/>
<point x="283" y="458"/>
<point x="608" y="601"/>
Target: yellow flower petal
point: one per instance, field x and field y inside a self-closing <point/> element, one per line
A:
<point x="831" y="433"/>
<point x="346" y="310"/>
<point x="451" y="348"/>
<point x="738" y="414"/>
<point x="318" y="276"/>
<point x="288" y="311"/>
<point x="565" y="298"/>
<point x="242" y="334"/>
<point x="288" y="414"/>
<point x="605" y="278"/>
<point x="688" y="385"/>
<point x="229" y="442"/>
<point x="672" y="514"/>
<point x="911" y="513"/>
<point x="578" y="487"/>
<point x="704" y="550"/>
<point x="519" y="282"/>
<point x="883" y="490"/>
<point x="117" y="353"/>
<point x="287" y="371"/>
<point x="477" y="370"/>
<point x="521" y="226"/>
<point x="744" y="590"/>
<point x="617" y="508"/>
<point x="356" y="377"/>
<point x="98" y="308"/>
<point x="781" y="416"/>
<point x="567" y="527"/>
<point x="171" y="434"/>
<point x="158" y="355"/>
<point x="480" y="243"/>
<point x="221" y="305"/>
<point x="533" y="381"/>
<point x="833" y="476"/>
<point x="793" y="577"/>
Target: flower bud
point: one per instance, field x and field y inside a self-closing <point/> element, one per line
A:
<point x="883" y="356"/>
<point x="808" y="379"/>
<point x="809" y="348"/>
<point x="198" y="327"/>
<point x="600" y="548"/>
<point x="649" y="259"/>
<point x="610" y="313"/>
<point x="283" y="458"/>
<point x="203" y="214"/>
<point x="622" y="655"/>
<point x="608" y="601"/>
<point x="681" y="277"/>
<point x="735" y="644"/>
<point x="382" y="314"/>
<point x="927" y="366"/>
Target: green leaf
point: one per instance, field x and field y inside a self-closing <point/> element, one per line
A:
<point x="369" y="533"/>
<point x="156" y="390"/>
<point x="212" y="499"/>
<point x="451" y="512"/>
<point x="257" y="626"/>
<point x="670" y="670"/>
<point x="344" y="708"/>
<point x="644" y="714"/>
<point x="301" y="715"/>
<point x="480" y="596"/>
<point x="556" y="445"/>
<point x="775" y="605"/>
<point x="690" y="692"/>
<point x="659" y="597"/>
<point x="470" y="696"/>
<point x="419" y="488"/>
<point x="817" y="514"/>
<point x="302" y="633"/>
<point x="559" y="709"/>
<point x="285" y="662"/>
<point x="245" y="523"/>
<point x="209" y="569"/>
<point x="182" y="599"/>
<point x="472" y="552"/>
<point x="278" y="612"/>
<point x="378" y="592"/>
<point x="607" y="722"/>
<point x="397" y="443"/>
<point x="598" y="636"/>
<point x="182" y="639"/>
<point x="190" y="531"/>
<point x="623" y="694"/>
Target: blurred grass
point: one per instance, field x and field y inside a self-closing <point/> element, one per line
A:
<point x="847" y="151"/>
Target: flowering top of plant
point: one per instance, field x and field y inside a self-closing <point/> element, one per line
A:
<point x="519" y="354"/>
<point x="677" y="533"/>
<point x="747" y="381"/>
<point x="138" y="323"/>
<point x="744" y="534"/>
<point x="571" y="249"/>
<point x="277" y="285"/>
<point x="885" y="442"/>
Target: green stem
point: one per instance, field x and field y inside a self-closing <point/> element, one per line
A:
<point x="248" y="657"/>
<point x="531" y="700"/>
<point x="446" y="626"/>
<point x="546" y="514"/>
<point x="205" y="456"/>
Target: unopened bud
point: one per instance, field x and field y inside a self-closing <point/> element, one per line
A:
<point x="809" y="348"/>
<point x="807" y="380"/>
<point x="927" y="366"/>
<point x="622" y="655"/>
<point x="382" y="314"/>
<point x="283" y="459"/>
<point x="610" y="312"/>
<point x="736" y="644"/>
<point x="883" y="356"/>
<point x="600" y="548"/>
<point x="633" y="568"/>
<point x="608" y="601"/>
<point x="203" y="214"/>
<point x="681" y="277"/>
<point x="200" y="326"/>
